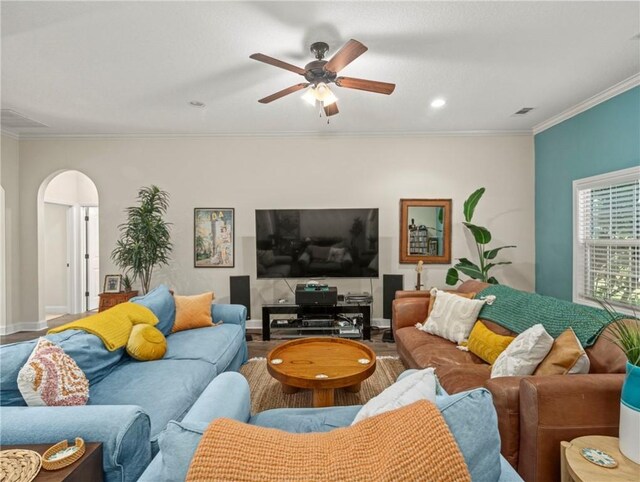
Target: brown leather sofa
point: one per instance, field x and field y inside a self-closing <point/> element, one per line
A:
<point x="534" y="413"/>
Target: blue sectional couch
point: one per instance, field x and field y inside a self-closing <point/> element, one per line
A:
<point x="130" y="402"/>
<point x="470" y="415"/>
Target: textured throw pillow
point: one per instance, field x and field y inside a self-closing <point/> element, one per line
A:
<point x="146" y="343"/>
<point x="193" y="312"/>
<point x="566" y="356"/>
<point x="524" y="353"/>
<point x="452" y="316"/>
<point x="420" y="385"/>
<point x="486" y="344"/>
<point x="51" y="378"/>
<point x="432" y="298"/>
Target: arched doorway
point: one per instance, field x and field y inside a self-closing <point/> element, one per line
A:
<point x="68" y="244"/>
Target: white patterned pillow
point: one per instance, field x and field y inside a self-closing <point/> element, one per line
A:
<point x="524" y="354"/>
<point x="51" y="378"/>
<point x="420" y="385"/>
<point x="452" y="316"/>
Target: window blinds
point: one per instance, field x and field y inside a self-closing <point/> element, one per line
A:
<point x="609" y="242"/>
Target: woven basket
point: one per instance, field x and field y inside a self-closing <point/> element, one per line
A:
<point x="18" y="465"/>
<point x="48" y="464"/>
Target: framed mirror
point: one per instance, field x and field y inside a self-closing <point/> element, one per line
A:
<point x="425" y="231"/>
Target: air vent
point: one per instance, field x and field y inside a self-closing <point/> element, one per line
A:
<point x="10" y="119"/>
<point x="524" y="111"/>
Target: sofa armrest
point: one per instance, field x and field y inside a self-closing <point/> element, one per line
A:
<point x="226" y="396"/>
<point x="124" y="431"/>
<point x="563" y="407"/>
<point x="408" y="312"/>
<point x="506" y="400"/>
<point x="232" y="314"/>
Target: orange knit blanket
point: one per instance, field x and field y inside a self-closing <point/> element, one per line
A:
<point x="409" y="444"/>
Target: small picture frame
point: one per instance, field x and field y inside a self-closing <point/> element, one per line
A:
<point x="112" y="283"/>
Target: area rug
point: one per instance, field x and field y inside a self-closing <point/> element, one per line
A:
<point x="266" y="392"/>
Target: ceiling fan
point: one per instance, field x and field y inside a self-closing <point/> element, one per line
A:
<point x="319" y="73"/>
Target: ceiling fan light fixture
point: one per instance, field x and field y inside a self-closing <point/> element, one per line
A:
<point x="309" y="96"/>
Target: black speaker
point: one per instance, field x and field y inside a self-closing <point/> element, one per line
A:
<point x="240" y="292"/>
<point x="390" y="284"/>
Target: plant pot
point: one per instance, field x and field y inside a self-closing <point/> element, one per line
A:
<point x="630" y="414"/>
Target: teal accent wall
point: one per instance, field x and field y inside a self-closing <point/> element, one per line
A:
<point x="602" y="139"/>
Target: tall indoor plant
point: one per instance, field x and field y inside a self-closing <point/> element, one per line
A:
<point x="144" y="239"/>
<point x="625" y="332"/>
<point x="482" y="237"/>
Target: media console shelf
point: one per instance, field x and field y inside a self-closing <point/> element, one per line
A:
<point x="310" y="314"/>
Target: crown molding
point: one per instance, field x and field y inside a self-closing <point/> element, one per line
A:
<point x="244" y="135"/>
<point x="13" y="135"/>
<point x="587" y="104"/>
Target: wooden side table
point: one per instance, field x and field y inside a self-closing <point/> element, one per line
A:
<point x="109" y="300"/>
<point x="87" y="468"/>
<point x="575" y="468"/>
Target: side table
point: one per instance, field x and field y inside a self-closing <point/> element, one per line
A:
<point x="575" y="468"/>
<point x="109" y="300"/>
<point x="87" y="468"/>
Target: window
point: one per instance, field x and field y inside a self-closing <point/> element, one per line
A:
<point x="606" y="254"/>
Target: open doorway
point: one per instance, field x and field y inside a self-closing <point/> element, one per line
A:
<point x="69" y="245"/>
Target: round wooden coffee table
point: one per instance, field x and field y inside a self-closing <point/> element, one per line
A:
<point x="321" y="364"/>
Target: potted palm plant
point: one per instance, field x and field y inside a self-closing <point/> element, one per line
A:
<point x="625" y="332"/>
<point x="144" y="239"/>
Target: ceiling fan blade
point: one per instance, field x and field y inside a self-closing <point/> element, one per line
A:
<point x="277" y="63"/>
<point x="347" y="54"/>
<point x="331" y="109"/>
<point x="282" y="93"/>
<point x="368" y="85"/>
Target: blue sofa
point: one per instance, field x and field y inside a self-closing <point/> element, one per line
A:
<point x="470" y="415"/>
<point x="130" y="402"/>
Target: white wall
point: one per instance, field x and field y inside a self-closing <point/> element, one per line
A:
<point x="9" y="179"/>
<point x="71" y="187"/>
<point x="291" y="172"/>
<point x="56" y="258"/>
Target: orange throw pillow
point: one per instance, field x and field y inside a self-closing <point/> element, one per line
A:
<point x="193" y="312"/>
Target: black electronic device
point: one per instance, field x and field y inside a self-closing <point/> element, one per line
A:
<point x="240" y="292"/>
<point x="317" y="243"/>
<point x="358" y="298"/>
<point x="306" y="295"/>
<point x="390" y="284"/>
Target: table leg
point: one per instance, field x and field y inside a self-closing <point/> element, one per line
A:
<point x="288" y="389"/>
<point x="353" y="388"/>
<point x="564" y="472"/>
<point x="323" y="397"/>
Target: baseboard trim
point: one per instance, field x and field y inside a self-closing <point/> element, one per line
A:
<point x="377" y="322"/>
<point x="23" y="326"/>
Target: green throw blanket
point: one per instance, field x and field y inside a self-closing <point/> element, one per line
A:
<point x="518" y="310"/>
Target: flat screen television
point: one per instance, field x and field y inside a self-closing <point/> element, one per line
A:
<point x="317" y="243"/>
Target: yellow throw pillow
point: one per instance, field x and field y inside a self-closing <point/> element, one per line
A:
<point x="486" y="344"/>
<point x="566" y="356"/>
<point x="193" y="312"/>
<point x="146" y="343"/>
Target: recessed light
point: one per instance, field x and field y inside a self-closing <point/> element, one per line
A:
<point x="437" y="103"/>
<point x="196" y="103"/>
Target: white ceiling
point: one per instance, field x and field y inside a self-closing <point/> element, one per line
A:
<point x="131" y="67"/>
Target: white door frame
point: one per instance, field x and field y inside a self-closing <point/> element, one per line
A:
<point x="3" y="269"/>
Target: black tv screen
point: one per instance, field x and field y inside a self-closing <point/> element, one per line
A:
<point x="317" y="243"/>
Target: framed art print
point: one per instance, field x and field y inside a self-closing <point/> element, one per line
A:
<point x="213" y="245"/>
